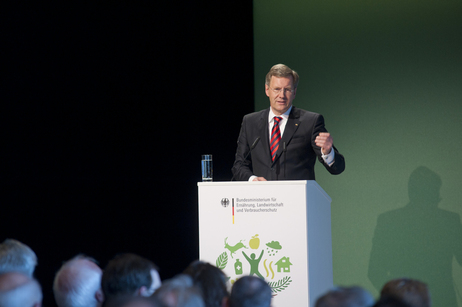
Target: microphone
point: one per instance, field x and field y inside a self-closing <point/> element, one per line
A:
<point x="254" y="144"/>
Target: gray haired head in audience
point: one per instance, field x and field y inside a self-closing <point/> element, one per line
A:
<point x="78" y="283"/>
<point x="19" y="290"/>
<point x="346" y="297"/>
<point x="17" y="257"/>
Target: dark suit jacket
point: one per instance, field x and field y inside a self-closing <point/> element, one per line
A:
<point x="296" y="162"/>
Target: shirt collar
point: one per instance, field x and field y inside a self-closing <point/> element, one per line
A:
<point x="284" y="116"/>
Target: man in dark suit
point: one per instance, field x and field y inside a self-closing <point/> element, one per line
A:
<point x="286" y="140"/>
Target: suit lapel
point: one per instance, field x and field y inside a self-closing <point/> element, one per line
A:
<point x="264" y="133"/>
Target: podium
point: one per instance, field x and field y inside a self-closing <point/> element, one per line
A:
<point x="277" y="230"/>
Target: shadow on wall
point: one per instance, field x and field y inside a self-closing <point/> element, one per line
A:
<point x="419" y="241"/>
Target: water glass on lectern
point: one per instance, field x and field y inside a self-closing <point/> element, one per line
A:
<point x="207" y="168"/>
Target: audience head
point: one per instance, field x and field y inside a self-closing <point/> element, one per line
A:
<point x="346" y="297"/>
<point x="19" y="290"/>
<point x="129" y="274"/>
<point x="390" y="301"/>
<point x="250" y="291"/>
<point x="179" y="292"/>
<point x="210" y="280"/>
<point x="411" y="291"/>
<point x="78" y="283"/>
<point x="134" y="301"/>
<point x="17" y="257"/>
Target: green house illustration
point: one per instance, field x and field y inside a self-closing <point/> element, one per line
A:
<point x="284" y="264"/>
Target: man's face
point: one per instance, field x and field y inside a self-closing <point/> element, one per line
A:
<point x="281" y="92"/>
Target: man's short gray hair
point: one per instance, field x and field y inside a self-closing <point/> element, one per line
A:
<point x="17" y="257"/>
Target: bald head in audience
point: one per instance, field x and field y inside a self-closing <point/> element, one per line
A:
<point x="17" y="257"/>
<point x="78" y="283"/>
<point x="19" y="290"/>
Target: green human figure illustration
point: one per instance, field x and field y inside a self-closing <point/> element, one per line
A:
<point x="254" y="264"/>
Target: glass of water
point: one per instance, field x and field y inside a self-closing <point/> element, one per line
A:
<point x="207" y="168"/>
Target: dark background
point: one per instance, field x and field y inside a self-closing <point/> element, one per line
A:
<point x="107" y="109"/>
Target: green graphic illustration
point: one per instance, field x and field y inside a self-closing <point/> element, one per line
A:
<point x="254" y="263"/>
<point x="233" y="249"/>
<point x="270" y="268"/>
<point x="254" y="243"/>
<point x="284" y="264"/>
<point x="277" y="273"/>
<point x="238" y="267"/>
<point x="278" y="286"/>
<point x="272" y="246"/>
<point x="222" y="261"/>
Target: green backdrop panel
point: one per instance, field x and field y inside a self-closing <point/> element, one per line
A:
<point x="387" y="76"/>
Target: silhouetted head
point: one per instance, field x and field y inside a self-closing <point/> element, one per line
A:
<point x="134" y="301"/>
<point x="210" y="280"/>
<point x="390" y="302"/>
<point x="129" y="274"/>
<point x="179" y="291"/>
<point x="411" y="291"/>
<point x="424" y="186"/>
<point x="250" y="291"/>
<point x="346" y="297"/>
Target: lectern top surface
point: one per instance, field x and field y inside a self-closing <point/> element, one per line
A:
<point x="279" y="182"/>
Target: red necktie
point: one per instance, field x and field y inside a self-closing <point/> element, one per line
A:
<point x="275" y="137"/>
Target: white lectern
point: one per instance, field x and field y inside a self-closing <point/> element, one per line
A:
<point x="277" y="230"/>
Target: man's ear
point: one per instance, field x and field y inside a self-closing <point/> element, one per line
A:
<point x="267" y="90"/>
<point x="143" y="291"/>
<point x="99" y="296"/>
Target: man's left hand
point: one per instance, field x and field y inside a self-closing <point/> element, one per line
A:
<point x="325" y="141"/>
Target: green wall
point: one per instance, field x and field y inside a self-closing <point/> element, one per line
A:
<point x="387" y="76"/>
